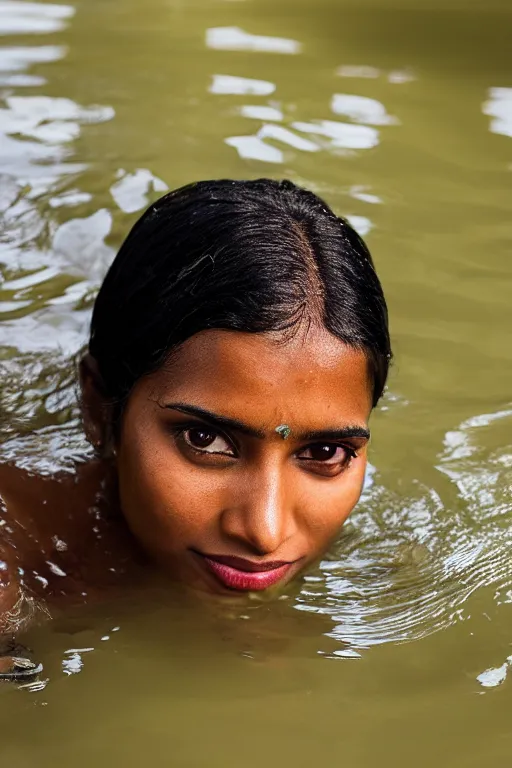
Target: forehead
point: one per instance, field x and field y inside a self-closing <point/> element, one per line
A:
<point x="303" y="381"/>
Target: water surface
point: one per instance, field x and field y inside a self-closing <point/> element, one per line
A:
<point x="397" y="650"/>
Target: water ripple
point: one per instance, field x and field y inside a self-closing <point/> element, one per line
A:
<point x="405" y="568"/>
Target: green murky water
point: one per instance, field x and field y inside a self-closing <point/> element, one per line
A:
<point x="396" y="650"/>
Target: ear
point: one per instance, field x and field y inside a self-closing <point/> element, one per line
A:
<point x="96" y="407"/>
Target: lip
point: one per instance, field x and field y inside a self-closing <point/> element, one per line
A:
<point x="243" y="575"/>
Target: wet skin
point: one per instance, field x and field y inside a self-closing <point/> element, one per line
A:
<point x="206" y="485"/>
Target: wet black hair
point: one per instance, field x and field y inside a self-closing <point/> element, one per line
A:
<point x="250" y="256"/>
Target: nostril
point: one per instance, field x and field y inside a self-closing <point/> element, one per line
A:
<point x="262" y="531"/>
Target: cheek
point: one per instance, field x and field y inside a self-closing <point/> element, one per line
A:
<point x="164" y="503"/>
<point x="335" y="502"/>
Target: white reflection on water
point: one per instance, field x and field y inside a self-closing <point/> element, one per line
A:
<point x="29" y="281"/>
<point x="72" y="663"/>
<point x="257" y="112"/>
<point x="396" y="76"/>
<point x="341" y="135"/>
<point x="399" y="76"/>
<point x="34" y="132"/>
<point x="494" y="676"/>
<point x="242" y="86"/>
<point x="499" y="107"/>
<point x="51" y="120"/>
<point x="19" y="17"/>
<point x="355" y="71"/>
<point x="70" y="198"/>
<point x="79" y="246"/>
<point x="363" y="112"/>
<point x="360" y="134"/>
<point x="254" y="148"/>
<point x="235" y="39"/>
<point x="363" y="194"/>
<point x="361" y="109"/>
<point x="14" y="60"/>
<point x="131" y="191"/>
<point x="18" y="58"/>
<point x="361" y="224"/>
<point x="284" y="135"/>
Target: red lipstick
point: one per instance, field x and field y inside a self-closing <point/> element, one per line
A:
<point x="246" y="575"/>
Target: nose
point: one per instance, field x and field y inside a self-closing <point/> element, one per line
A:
<point x="261" y="517"/>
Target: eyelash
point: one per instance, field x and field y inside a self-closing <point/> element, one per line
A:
<point x="181" y="429"/>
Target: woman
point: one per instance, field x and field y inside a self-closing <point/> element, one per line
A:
<point x="238" y="345"/>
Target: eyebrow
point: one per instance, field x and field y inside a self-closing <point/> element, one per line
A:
<point x="343" y="433"/>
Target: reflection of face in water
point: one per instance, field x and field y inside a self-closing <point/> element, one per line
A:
<point x="208" y="487"/>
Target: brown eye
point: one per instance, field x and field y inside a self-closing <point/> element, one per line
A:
<point x="200" y="438"/>
<point x="321" y="452"/>
<point x="327" y="458"/>
<point x="206" y="441"/>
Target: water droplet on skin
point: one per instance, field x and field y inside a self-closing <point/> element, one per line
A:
<point x="41" y="579"/>
<point x="59" y="544"/>
<point x="55" y="569"/>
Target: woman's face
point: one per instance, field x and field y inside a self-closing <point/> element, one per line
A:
<point x="210" y="486"/>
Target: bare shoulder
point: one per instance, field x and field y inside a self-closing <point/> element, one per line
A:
<point x="62" y="532"/>
<point x="24" y="526"/>
<point x="10" y="478"/>
<point x="43" y="504"/>
<point x="27" y="507"/>
<point x="10" y="484"/>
